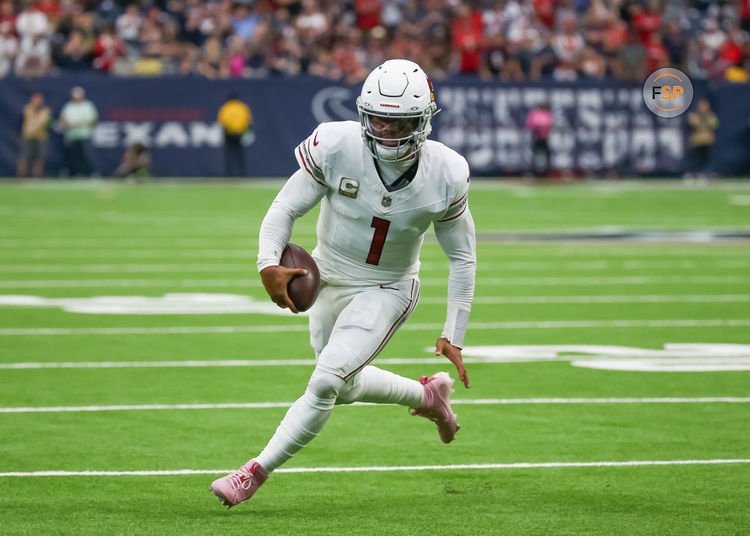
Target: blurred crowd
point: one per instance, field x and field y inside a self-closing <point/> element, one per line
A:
<point x="506" y="39"/>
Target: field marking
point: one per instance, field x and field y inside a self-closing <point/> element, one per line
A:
<point x="428" y="251"/>
<point x="470" y="402"/>
<point x="384" y="468"/>
<point x="592" y="281"/>
<point x="220" y="364"/>
<point x="643" y="298"/>
<point x="675" y="357"/>
<point x="142" y="253"/>
<point x="168" y="304"/>
<point x="176" y="303"/>
<point x="128" y="268"/>
<point x="121" y="242"/>
<point x="486" y="281"/>
<point x="551" y="324"/>
<point x="428" y="265"/>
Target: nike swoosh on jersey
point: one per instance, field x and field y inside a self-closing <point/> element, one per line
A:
<point x="315" y="140"/>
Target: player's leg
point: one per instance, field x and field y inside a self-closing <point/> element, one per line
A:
<point x="304" y="419"/>
<point x="379" y="386"/>
<point x="345" y="331"/>
<point x="352" y="326"/>
<point x="429" y="396"/>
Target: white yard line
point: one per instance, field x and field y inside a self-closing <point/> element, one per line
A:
<point x="141" y="253"/>
<point x="592" y="281"/>
<point x="487" y="251"/>
<point x="471" y="402"/>
<point x="133" y="242"/>
<point x="107" y="283"/>
<point x="248" y="266"/>
<point x="389" y="468"/>
<point x="645" y="298"/>
<point x="484" y="281"/>
<point x="224" y="363"/>
<point x="552" y="324"/>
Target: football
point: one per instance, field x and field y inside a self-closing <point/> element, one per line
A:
<point x="302" y="289"/>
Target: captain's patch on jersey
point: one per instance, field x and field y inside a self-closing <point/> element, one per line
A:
<point x="349" y="187"/>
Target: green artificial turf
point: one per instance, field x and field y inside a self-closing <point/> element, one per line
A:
<point x="61" y="240"/>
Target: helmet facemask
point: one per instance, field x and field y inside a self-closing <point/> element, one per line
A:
<point x="393" y="137"/>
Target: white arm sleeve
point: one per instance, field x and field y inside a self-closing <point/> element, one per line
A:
<point x="296" y="198"/>
<point x="457" y="237"/>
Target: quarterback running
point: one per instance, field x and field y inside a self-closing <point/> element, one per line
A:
<point x="381" y="184"/>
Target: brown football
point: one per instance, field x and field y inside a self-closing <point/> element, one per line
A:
<point x="303" y="289"/>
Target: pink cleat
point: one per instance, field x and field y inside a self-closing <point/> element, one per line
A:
<point x="239" y="485"/>
<point x="437" y="405"/>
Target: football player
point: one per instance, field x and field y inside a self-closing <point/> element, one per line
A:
<point x="380" y="184"/>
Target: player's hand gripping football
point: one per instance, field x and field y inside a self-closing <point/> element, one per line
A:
<point x="453" y="353"/>
<point x="276" y="280"/>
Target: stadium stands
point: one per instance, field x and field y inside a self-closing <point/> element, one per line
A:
<point x="510" y="39"/>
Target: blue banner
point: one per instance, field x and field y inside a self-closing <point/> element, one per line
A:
<point x="600" y="128"/>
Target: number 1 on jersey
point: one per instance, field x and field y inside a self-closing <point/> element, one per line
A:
<point x="378" y="239"/>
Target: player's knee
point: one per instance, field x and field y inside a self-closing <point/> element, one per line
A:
<point x="351" y="391"/>
<point x="324" y="388"/>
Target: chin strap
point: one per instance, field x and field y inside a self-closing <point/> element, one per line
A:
<point x="456" y="323"/>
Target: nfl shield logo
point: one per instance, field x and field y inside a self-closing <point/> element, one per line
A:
<point x="386" y="201"/>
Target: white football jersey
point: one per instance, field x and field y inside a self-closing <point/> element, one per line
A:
<point x="367" y="234"/>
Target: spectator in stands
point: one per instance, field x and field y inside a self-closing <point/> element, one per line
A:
<point x="237" y="56"/>
<point x="51" y="8"/>
<point x="592" y="65"/>
<point x="30" y="22"/>
<point x="540" y="122"/>
<point x="244" y="21"/>
<point x="77" y="119"/>
<point x="136" y="162"/>
<point x="8" y="48"/>
<point x="704" y="124"/>
<point x="542" y="55"/>
<point x="515" y="39"/>
<point x="235" y="119"/>
<point x="34" y="127"/>
<point x="128" y="25"/>
<point x="632" y="59"/>
<point x="108" y="11"/>
<point x="656" y="54"/>
<point x="646" y="21"/>
<point x="7" y="13"/>
<point x="675" y="41"/>
<point x="312" y="23"/>
<point x="107" y="49"/>
<point x="212" y="61"/>
<point x="33" y="58"/>
<point x="730" y="54"/>
<point x="468" y="33"/>
<point x="368" y="13"/>
<point x="614" y="38"/>
<point x="374" y="52"/>
<point x="568" y="46"/>
<point x="76" y="55"/>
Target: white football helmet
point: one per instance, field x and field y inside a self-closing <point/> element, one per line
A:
<point x="395" y="108"/>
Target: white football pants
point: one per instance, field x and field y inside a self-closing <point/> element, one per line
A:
<point x="349" y="326"/>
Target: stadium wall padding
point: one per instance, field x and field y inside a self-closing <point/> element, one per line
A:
<point x="601" y="127"/>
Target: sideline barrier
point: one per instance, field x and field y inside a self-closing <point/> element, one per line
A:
<point x="601" y="127"/>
